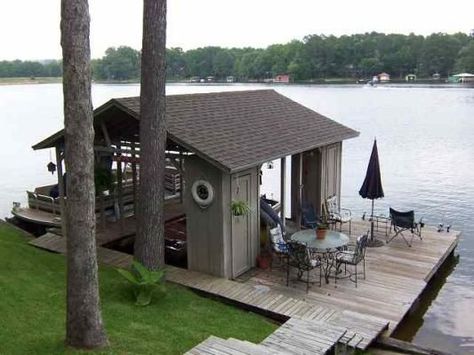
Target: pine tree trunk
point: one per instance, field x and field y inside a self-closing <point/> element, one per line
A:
<point x="149" y="242"/>
<point x="84" y="328"/>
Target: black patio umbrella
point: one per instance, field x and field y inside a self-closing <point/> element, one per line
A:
<point x="372" y="186"/>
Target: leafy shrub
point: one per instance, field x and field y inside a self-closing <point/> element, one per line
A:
<point x="145" y="282"/>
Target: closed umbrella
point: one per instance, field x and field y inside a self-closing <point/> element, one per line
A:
<point x="372" y="186"/>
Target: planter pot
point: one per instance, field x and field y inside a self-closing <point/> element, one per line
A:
<point x="321" y="233"/>
<point x="263" y="262"/>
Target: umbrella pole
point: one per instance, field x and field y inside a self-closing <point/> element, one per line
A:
<point x="372" y="223"/>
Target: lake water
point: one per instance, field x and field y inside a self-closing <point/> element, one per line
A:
<point x="426" y="147"/>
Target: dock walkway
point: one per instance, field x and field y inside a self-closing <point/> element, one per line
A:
<point x="396" y="277"/>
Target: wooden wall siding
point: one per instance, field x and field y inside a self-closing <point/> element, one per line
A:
<point x="312" y="178"/>
<point x="321" y="176"/>
<point x="204" y="226"/>
<point x="331" y="158"/>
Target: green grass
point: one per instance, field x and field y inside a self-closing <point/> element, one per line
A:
<point x="24" y="80"/>
<point x="32" y="309"/>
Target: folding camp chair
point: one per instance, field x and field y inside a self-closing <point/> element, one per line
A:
<point x="402" y="222"/>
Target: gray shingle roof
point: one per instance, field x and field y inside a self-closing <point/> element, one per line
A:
<point x="240" y="129"/>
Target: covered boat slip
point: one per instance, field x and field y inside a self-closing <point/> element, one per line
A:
<point x="218" y="143"/>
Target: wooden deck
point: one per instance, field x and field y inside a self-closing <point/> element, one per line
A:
<point x="56" y="243"/>
<point x="396" y="277"/>
<point x="294" y="337"/>
<point x="361" y="329"/>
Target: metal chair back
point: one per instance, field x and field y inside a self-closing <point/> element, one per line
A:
<point x="361" y="247"/>
<point x="298" y="255"/>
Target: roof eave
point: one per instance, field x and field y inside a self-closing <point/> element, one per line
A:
<point x="355" y="134"/>
<point x="53" y="140"/>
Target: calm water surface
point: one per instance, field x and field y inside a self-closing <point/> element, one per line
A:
<point x="426" y="147"/>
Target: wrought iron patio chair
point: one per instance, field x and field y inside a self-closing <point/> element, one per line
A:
<point x="279" y="246"/>
<point x="309" y="219"/>
<point x="402" y="222"/>
<point x="299" y="257"/>
<point x="335" y="214"/>
<point x="352" y="255"/>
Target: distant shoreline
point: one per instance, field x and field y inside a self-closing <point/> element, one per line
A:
<point x="30" y="81"/>
<point x="329" y="81"/>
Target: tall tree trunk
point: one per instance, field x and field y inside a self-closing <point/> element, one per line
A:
<point x="84" y="328"/>
<point x="149" y="242"/>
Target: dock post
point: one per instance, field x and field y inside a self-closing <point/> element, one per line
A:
<point x="134" y="178"/>
<point x="62" y="205"/>
<point x="283" y="190"/>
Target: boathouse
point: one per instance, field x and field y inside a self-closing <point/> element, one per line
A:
<point x="218" y="143"/>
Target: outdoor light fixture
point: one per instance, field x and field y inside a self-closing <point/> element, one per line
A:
<point x="51" y="167"/>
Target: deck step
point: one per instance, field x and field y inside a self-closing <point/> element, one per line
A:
<point x="298" y="336"/>
<point x="218" y="346"/>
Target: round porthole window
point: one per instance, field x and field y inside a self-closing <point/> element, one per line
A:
<point x="203" y="193"/>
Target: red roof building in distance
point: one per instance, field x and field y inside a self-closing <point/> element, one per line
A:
<point x="282" y="78"/>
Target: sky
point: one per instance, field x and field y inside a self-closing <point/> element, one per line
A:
<point x="29" y="29"/>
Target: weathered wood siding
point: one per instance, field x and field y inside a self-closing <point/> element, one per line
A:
<point x="205" y="226"/>
<point x="331" y="159"/>
<point x="219" y="243"/>
<point x="321" y="176"/>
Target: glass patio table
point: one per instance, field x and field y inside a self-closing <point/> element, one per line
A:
<point x="325" y="248"/>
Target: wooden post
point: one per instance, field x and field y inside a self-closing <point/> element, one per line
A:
<point x="120" y="190"/>
<point x="62" y="204"/>
<point x="105" y="132"/>
<point x="181" y="185"/>
<point x="283" y="189"/>
<point x="300" y="190"/>
<point x="134" y="178"/>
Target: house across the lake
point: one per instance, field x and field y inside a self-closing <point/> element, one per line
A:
<point x="282" y="78"/>
<point x="410" y="77"/>
<point x="218" y="142"/>
<point x="462" y="78"/>
<point x="384" y="77"/>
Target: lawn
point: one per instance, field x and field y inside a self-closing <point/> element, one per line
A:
<point x="24" y="80"/>
<point x="32" y="309"/>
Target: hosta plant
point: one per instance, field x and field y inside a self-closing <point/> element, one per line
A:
<point x="145" y="282"/>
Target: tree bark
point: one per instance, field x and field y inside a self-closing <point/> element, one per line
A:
<point x="149" y="242"/>
<point x="84" y="328"/>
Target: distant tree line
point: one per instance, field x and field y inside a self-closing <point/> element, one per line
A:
<point x="18" y="68"/>
<point x="315" y="57"/>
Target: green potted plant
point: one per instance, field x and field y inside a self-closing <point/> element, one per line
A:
<point x="239" y="208"/>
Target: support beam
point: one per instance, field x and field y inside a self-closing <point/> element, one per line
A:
<point x="105" y="132"/>
<point x="300" y="190"/>
<point x="181" y="174"/>
<point x="120" y="192"/>
<point x="134" y="179"/>
<point x="62" y="202"/>
<point x="283" y="189"/>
